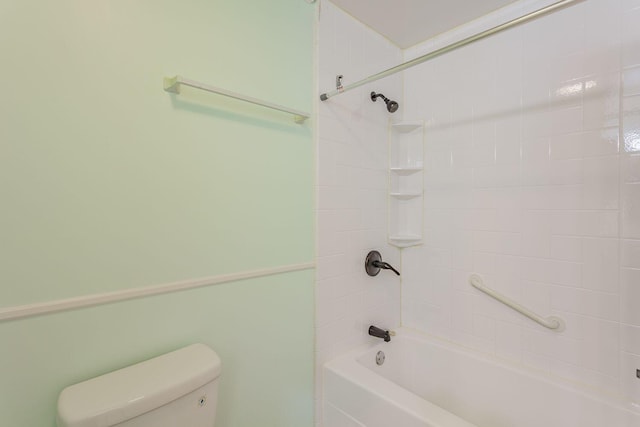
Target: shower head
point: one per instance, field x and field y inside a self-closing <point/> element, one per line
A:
<point x="392" y="106"/>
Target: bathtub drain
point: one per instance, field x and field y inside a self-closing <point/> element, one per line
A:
<point x="380" y="358"/>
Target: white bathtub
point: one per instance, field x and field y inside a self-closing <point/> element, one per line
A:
<point x="425" y="381"/>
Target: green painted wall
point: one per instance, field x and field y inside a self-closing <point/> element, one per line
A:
<point x="107" y="182"/>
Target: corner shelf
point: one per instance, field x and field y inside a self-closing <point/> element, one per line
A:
<point x="406" y="171"/>
<point x="406" y="127"/>
<point x="405" y="196"/>
<point x="406" y="183"/>
<point x="405" y="241"/>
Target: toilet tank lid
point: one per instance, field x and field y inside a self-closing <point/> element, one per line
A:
<point x="126" y="393"/>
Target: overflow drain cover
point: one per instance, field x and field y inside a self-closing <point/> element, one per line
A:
<point x="380" y="358"/>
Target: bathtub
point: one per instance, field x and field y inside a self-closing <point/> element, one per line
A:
<point x="426" y="382"/>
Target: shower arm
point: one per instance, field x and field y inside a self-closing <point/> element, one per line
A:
<point x="419" y="60"/>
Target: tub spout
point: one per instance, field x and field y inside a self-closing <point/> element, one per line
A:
<point x="374" y="331"/>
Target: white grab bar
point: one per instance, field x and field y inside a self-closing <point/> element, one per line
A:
<point x="551" y="322"/>
<point x="172" y="84"/>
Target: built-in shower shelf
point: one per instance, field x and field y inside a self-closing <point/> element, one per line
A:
<point x="406" y="183"/>
<point x="406" y="127"/>
<point x="404" y="241"/>
<point x="405" y="196"/>
<point x="406" y="171"/>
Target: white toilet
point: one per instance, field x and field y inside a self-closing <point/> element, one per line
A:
<point x="176" y="389"/>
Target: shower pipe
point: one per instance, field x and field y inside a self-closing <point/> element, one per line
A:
<point x="419" y="60"/>
<point x="551" y="322"/>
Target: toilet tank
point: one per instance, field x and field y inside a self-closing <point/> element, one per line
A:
<point x="176" y="389"/>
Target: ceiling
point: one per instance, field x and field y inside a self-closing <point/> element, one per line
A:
<point x="407" y="22"/>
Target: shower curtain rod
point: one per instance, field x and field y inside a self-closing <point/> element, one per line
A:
<point x="419" y="60"/>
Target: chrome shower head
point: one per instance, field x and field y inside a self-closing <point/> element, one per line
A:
<point x="392" y="106"/>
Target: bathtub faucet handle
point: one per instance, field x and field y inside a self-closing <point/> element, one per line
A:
<point x="373" y="264"/>
<point x="386" y="266"/>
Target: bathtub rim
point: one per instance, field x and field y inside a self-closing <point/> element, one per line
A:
<point x="347" y="366"/>
<point x="349" y="369"/>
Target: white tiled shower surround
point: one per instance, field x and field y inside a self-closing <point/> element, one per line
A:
<point x="532" y="179"/>
<point x="352" y="189"/>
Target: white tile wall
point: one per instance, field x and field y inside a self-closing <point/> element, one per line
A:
<point x="533" y="181"/>
<point x="533" y="160"/>
<point x="352" y="190"/>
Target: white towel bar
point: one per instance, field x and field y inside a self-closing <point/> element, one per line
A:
<point x="172" y="84"/>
